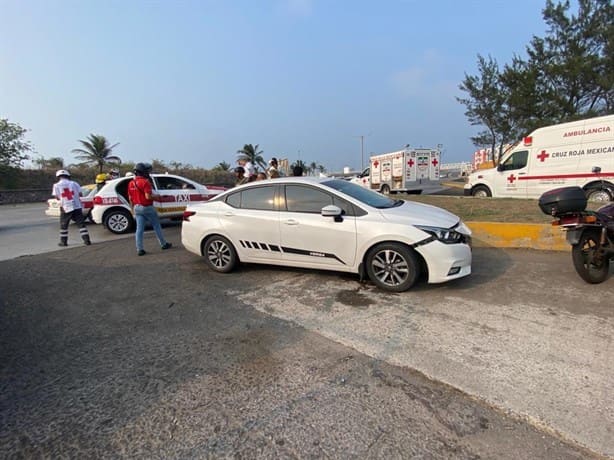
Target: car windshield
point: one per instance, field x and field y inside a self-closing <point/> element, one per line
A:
<point x="366" y="196"/>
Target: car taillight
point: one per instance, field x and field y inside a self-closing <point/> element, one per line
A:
<point x="97" y="200"/>
<point x="187" y="215"/>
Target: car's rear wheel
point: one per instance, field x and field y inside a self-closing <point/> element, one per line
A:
<point x="220" y="254"/>
<point x="392" y="267"/>
<point x="118" y="221"/>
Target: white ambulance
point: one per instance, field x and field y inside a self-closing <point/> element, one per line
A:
<point x="405" y="171"/>
<point x="578" y="153"/>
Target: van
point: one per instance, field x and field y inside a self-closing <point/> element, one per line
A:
<point x="579" y="153"/>
<point x="405" y="171"/>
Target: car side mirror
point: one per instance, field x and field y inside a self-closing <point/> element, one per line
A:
<point x="332" y="211"/>
<point x="500" y="167"/>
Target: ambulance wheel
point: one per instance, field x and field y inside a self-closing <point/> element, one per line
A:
<point x="599" y="194"/>
<point x="118" y="221"/>
<point x="385" y="190"/>
<point x="220" y="254"/>
<point x="481" y="192"/>
<point x="392" y="267"/>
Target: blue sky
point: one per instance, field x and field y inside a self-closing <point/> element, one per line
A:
<point x="192" y="81"/>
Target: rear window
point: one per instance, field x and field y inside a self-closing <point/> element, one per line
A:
<point x="260" y="198"/>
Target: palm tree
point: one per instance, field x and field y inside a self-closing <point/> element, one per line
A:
<point x="251" y="153"/>
<point x="96" y="150"/>
<point x="222" y="166"/>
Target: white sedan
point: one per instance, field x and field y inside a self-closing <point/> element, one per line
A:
<point x="329" y="224"/>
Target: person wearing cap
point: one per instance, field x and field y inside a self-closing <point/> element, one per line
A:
<point x="142" y="197"/>
<point x="272" y="171"/>
<point x="68" y="193"/>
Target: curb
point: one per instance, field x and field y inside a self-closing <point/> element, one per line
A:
<point x="515" y="235"/>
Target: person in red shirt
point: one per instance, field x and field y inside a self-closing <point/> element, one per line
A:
<point x="141" y="197"/>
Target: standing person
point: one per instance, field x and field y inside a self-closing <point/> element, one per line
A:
<point x="273" y="169"/>
<point x="101" y="179"/>
<point x="141" y="197"/>
<point x="68" y="193"/>
<point x="297" y="171"/>
<point x="240" y="177"/>
<point x="248" y="167"/>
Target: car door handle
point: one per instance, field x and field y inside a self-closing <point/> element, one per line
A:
<point x="229" y="214"/>
<point x="521" y="173"/>
<point x="291" y="222"/>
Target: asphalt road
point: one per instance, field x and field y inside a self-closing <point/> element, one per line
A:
<point x="26" y="230"/>
<point x="105" y="354"/>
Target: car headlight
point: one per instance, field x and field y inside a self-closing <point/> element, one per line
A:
<point x="445" y="235"/>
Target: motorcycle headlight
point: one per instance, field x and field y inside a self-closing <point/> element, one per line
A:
<point x="445" y="235"/>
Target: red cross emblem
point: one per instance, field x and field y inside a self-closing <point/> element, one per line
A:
<point x="375" y="163"/>
<point x="511" y="179"/>
<point x="435" y="162"/>
<point x="66" y="193"/>
<point x="410" y="162"/>
<point x="542" y="156"/>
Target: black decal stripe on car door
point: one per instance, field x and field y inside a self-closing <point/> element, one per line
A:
<point x="259" y="246"/>
<point x="305" y="252"/>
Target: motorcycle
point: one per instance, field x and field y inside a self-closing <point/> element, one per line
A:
<point x="590" y="233"/>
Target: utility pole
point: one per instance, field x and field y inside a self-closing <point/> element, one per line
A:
<point x="362" y="152"/>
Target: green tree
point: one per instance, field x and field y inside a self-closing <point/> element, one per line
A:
<point x="486" y="105"/>
<point x="96" y="150"/>
<point x="49" y="163"/>
<point x="250" y="152"/>
<point x="222" y="166"/>
<point x="567" y="75"/>
<point x="13" y="148"/>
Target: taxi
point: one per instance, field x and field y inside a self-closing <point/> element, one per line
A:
<point x="111" y="206"/>
<point x="87" y="200"/>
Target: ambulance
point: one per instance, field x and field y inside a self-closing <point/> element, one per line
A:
<point x="405" y="171"/>
<point x="579" y="153"/>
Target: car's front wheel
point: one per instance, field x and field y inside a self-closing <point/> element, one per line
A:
<point x="481" y="191"/>
<point x="392" y="267"/>
<point x="118" y="221"/>
<point x="220" y="254"/>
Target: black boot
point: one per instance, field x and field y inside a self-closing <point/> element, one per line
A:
<point x="63" y="242"/>
<point x="86" y="240"/>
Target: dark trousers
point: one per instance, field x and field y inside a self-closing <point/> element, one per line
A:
<point x="77" y="217"/>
